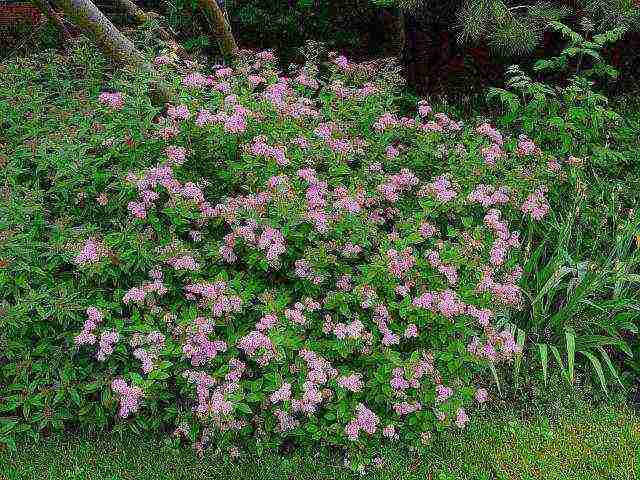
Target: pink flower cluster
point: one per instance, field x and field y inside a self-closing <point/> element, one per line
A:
<point x="405" y="408"/>
<point x="303" y="269"/>
<point x="526" y="146"/>
<point x="139" y="294"/>
<point x="215" y="295"/>
<point x="441" y="188"/>
<point x="497" y="347"/>
<point x="147" y="348"/>
<point x="353" y="382"/>
<point x="91" y="253"/>
<point x="492" y="153"/>
<point x="365" y="420"/>
<point x="86" y="337"/>
<point x="400" y="262"/>
<point x="449" y="271"/>
<point x="197" y="346"/>
<point x="381" y="318"/>
<point x="129" y="397"/>
<point x="197" y="80"/>
<point x="183" y="262"/>
<point x="446" y="303"/>
<point x="283" y="394"/>
<point x="180" y="112"/>
<point x="113" y="100"/>
<point x="107" y="340"/>
<point x="397" y="184"/>
<point x="504" y="240"/>
<point x="176" y="154"/>
<point x="536" y="205"/>
<point x="341" y="330"/>
<point x="256" y="343"/>
<point x="506" y="292"/>
<point x="320" y="371"/>
<point x="286" y="422"/>
<point x="488" y="195"/>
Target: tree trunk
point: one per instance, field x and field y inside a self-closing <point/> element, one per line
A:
<point x="220" y="30"/>
<point x="394" y="33"/>
<point x="110" y="40"/>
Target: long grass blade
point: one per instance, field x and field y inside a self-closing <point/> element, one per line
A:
<point x="612" y="369"/>
<point x="544" y="360"/>
<point x="571" y="354"/>
<point x="597" y="367"/>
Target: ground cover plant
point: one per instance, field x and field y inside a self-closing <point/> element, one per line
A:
<point x="283" y="259"/>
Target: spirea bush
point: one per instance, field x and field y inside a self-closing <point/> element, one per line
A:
<point x="278" y="257"/>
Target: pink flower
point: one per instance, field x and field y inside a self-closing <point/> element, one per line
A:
<point x="282" y="394"/>
<point x="342" y="62"/>
<point x="352" y="383"/>
<point x="536" y="205"/>
<point x="137" y="209"/>
<point x="176" y="154"/>
<point x="113" y="100"/>
<point x="411" y="331"/>
<point x="400" y="262"/>
<point x="526" y="146"/>
<point x="442" y="189"/>
<point x="181" y="112"/>
<point x="481" y="395"/>
<point x="443" y="393"/>
<point x="390" y="432"/>
<point x="129" y="397"/>
<point x="107" y="340"/>
<point x="392" y="152"/>
<point x="91" y="253"/>
<point x="492" y="154"/>
<point x="365" y="420"/>
<point x="461" y="418"/>
<point x="493" y="134"/>
<point x="405" y="408"/>
<point x="424" y="109"/>
<point x="184" y="262"/>
<point x="162" y="60"/>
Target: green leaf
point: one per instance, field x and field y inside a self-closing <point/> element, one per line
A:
<point x="571" y="354"/>
<point x="609" y="363"/>
<point x="597" y="367"/>
<point x="558" y="358"/>
<point x="492" y="367"/>
<point x="544" y="360"/>
<point x="518" y="359"/>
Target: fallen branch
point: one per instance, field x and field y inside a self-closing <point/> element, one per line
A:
<point x="140" y="16"/>
<point x="219" y="28"/>
<point x="111" y="41"/>
<point x="45" y="7"/>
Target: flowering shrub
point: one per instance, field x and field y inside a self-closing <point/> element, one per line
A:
<point x="289" y="257"/>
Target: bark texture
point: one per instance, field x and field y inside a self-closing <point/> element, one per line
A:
<point x="110" y="40"/>
<point x="134" y="11"/>
<point x="395" y="34"/>
<point x="220" y="30"/>
<point x="85" y="15"/>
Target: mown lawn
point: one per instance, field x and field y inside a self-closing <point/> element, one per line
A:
<point x="598" y="443"/>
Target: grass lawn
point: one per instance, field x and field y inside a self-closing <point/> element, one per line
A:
<point x="596" y="443"/>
